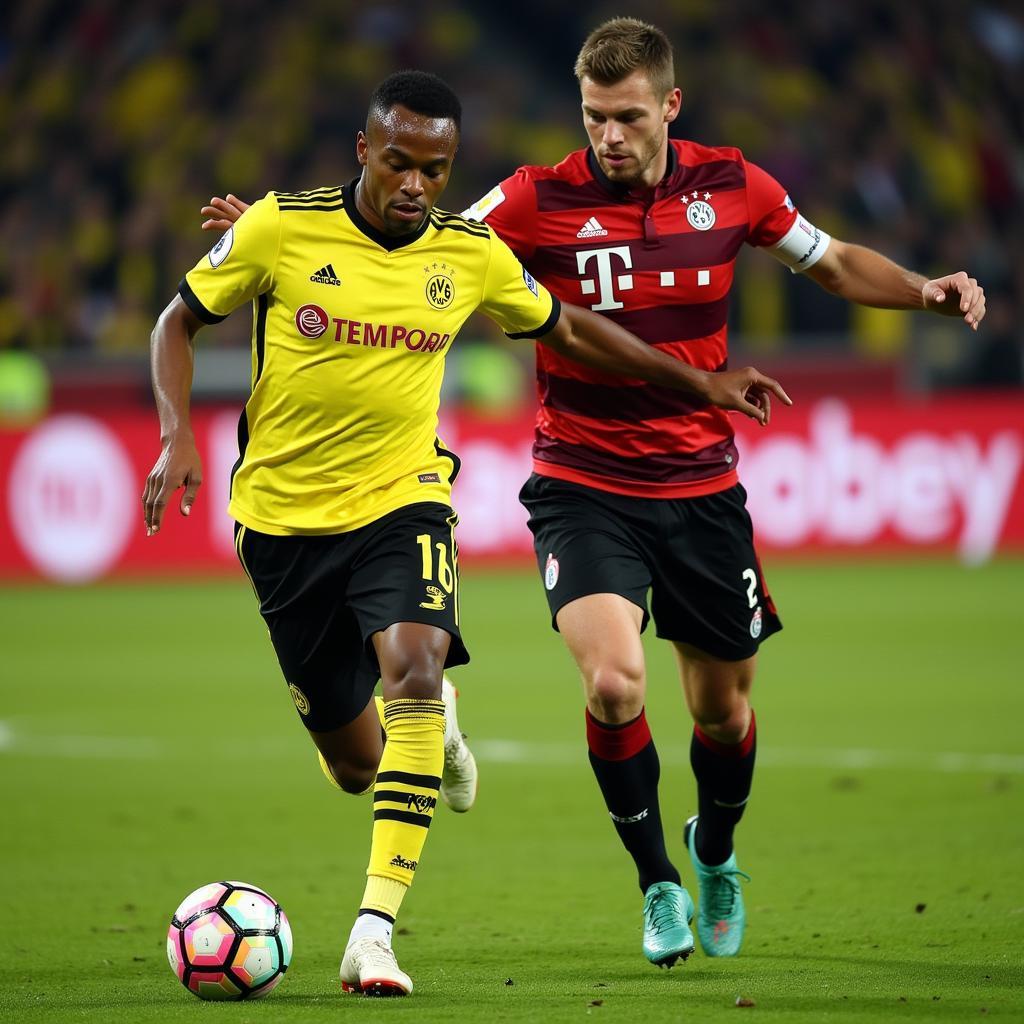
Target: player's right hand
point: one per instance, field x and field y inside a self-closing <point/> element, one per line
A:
<point x="178" y="466"/>
<point x="220" y="213"/>
<point x="747" y="391"/>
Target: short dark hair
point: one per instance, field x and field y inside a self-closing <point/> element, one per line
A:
<point x="617" y="48"/>
<point x="419" y="91"/>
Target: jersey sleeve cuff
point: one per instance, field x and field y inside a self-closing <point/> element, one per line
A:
<point x="538" y="332"/>
<point x="193" y="302"/>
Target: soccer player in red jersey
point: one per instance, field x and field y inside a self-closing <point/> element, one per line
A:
<point x="634" y="489"/>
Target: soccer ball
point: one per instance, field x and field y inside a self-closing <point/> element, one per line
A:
<point x="229" y="940"/>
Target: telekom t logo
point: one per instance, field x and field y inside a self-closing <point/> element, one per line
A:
<point x="605" y="277"/>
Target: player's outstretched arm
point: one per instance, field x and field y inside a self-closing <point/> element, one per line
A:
<point x="171" y="361"/>
<point x="865" y="276"/>
<point x="596" y="341"/>
<point x="220" y="213"/>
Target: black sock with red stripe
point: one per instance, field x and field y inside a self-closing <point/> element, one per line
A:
<point x="724" y="774"/>
<point x="627" y="769"/>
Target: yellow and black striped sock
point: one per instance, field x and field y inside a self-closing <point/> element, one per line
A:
<point x="404" y="798"/>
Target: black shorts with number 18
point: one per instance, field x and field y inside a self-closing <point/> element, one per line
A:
<point x="323" y="598"/>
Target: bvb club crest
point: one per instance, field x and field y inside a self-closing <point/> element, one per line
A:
<point x="440" y="286"/>
<point x="301" y="702"/>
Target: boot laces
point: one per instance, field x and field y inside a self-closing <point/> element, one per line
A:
<point x="375" y="953"/>
<point x="664" y="910"/>
<point x="723" y="891"/>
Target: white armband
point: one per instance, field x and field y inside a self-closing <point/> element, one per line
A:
<point x="801" y="246"/>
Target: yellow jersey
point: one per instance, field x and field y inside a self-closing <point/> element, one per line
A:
<point x="351" y="328"/>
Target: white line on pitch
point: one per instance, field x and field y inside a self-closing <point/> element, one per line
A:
<point x="506" y="751"/>
<point x="114" y="748"/>
<point x="520" y="752"/>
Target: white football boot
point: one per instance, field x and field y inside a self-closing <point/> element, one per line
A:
<point x="459" y="777"/>
<point x="369" y="967"/>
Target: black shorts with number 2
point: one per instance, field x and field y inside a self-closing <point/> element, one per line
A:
<point x="695" y="556"/>
<point x="323" y="598"/>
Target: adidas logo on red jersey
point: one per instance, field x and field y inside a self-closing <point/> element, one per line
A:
<point x="592" y="229"/>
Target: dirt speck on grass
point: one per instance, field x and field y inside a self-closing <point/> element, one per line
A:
<point x="845" y="783"/>
<point x="919" y="908"/>
<point x="744" y="1002"/>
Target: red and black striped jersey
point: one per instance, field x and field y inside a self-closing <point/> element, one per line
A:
<point x="660" y="263"/>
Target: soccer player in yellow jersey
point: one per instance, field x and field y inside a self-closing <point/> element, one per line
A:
<point x="342" y="488"/>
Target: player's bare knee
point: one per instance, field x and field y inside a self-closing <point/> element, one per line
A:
<point x="357" y="783"/>
<point x="419" y="680"/>
<point x="725" y="724"/>
<point x="353" y="776"/>
<point x="615" y="693"/>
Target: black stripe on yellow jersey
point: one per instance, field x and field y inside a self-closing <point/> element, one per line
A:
<point x="323" y="200"/>
<point x="311" y="193"/>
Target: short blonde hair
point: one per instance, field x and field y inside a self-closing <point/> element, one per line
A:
<point x="616" y="49"/>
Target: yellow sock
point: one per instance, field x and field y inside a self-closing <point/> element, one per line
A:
<point x="404" y="798"/>
<point x="379" y="701"/>
<point x="384" y="895"/>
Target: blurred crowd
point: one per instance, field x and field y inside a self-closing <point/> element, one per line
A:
<point x="897" y="125"/>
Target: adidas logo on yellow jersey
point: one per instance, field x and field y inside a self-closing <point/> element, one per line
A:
<point x="325" y="275"/>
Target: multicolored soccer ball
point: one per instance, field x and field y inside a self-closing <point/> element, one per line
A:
<point x="229" y="940"/>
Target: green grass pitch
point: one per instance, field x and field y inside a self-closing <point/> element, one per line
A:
<point x="147" y="746"/>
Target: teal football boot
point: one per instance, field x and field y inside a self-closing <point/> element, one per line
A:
<point x="721" y="918"/>
<point x="668" y="911"/>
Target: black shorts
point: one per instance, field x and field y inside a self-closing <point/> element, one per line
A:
<point x="695" y="555"/>
<point x="323" y="598"/>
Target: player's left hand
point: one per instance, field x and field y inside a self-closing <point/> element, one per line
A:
<point x="956" y="295"/>
<point x="747" y="391"/>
